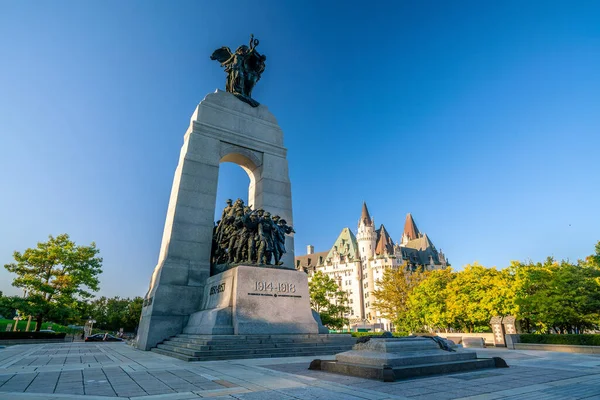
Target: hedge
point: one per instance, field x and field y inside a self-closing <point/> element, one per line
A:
<point x="361" y="334"/>
<point x="31" y="335"/>
<point x="582" y="340"/>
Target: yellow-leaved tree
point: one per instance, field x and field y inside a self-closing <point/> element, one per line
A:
<point x="391" y="297"/>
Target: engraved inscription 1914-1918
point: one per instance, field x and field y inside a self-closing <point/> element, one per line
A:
<point x="280" y="287"/>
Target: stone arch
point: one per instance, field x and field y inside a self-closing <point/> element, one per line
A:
<point x="222" y="129"/>
<point x="249" y="160"/>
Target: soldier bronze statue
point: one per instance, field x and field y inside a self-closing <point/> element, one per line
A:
<point x="249" y="237"/>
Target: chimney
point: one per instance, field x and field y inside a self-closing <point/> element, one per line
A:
<point x="310" y="249"/>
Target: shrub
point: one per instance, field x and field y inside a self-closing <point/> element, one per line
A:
<point x="361" y="334"/>
<point x="582" y="340"/>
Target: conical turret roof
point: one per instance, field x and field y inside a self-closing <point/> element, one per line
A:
<point x="410" y="228"/>
<point x="385" y="245"/>
<point x="365" y="218"/>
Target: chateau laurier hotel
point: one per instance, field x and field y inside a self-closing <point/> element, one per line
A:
<point x="357" y="262"/>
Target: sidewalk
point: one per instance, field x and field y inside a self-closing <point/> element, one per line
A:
<point x="93" y="371"/>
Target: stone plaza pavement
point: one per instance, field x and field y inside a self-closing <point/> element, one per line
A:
<point x="94" y="371"/>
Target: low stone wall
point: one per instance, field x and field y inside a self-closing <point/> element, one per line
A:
<point x="12" y="342"/>
<point x="564" y="348"/>
<point x="488" y="337"/>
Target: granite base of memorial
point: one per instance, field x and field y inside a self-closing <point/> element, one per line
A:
<point x="391" y="359"/>
<point x="250" y="300"/>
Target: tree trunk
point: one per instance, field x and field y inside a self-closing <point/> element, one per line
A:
<point x="38" y="324"/>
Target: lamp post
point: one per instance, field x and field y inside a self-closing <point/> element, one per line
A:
<point x="90" y="323"/>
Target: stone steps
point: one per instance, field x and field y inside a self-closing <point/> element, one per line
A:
<point x="260" y="351"/>
<point x="200" y="347"/>
<point x="262" y="338"/>
<point x="224" y="347"/>
<point x="220" y="356"/>
<point x="215" y="345"/>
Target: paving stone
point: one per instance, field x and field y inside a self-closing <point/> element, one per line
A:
<point x="70" y="368"/>
<point x="437" y="396"/>
<point x="267" y="395"/>
<point x="210" y="386"/>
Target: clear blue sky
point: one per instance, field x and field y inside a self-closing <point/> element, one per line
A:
<point x="480" y="118"/>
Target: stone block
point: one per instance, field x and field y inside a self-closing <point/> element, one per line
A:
<point x="193" y="251"/>
<point x="218" y="291"/>
<point x="200" y="169"/>
<point x="271" y="301"/>
<point x="216" y="321"/>
<point x="190" y="232"/>
<point x="193" y="199"/>
<point x="390" y="359"/>
<point x="174" y="273"/>
<point x="201" y="148"/>
<point x="198" y="273"/>
<point x="258" y="300"/>
<point x="221" y="111"/>
<point x="275" y="167"/>
<point x="194" y="215"/>
<point x="199" y="183"/>
<point x="153" y="329"/>
<point x="511" y="340"/>
<point x="226" y="100"/>
<point x="281" y="206"/>
<point x="180" y="300"/>
<point x="274" y="187"/>
<point x="455" y="339"/>
<point x="476" y="342"/>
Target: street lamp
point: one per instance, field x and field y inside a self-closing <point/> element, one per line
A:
<point x="90" y="323"/>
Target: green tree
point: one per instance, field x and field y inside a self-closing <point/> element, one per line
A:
<point x="55" y="275"/>
<point x="115" y="313"/>
<point x="7" y="306"/>
<point x="593" y="261"/>
<point x="328" y="300"/>
<point x="475" y="295"/>
<point x="391" y="297"/>
<point x="134" y="312"/>
<point x="558" y="296"/>
<point x="427" y="304"/>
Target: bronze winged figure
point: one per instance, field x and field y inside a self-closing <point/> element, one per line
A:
<point x="243" y="68"/>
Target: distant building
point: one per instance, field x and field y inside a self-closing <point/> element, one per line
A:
<point x="356" y="262"/>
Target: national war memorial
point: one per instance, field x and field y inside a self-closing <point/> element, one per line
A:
<point x="235" y="277"/>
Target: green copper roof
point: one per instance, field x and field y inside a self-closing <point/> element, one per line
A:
<point x="346" y="245"/>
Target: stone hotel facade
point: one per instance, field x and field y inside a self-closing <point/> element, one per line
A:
<point x="357" y="262"/>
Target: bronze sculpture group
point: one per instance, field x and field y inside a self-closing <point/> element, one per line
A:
<point x="246" y="236"/>
<point x="243" y="235"/>
<point x="244" y="68"/>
